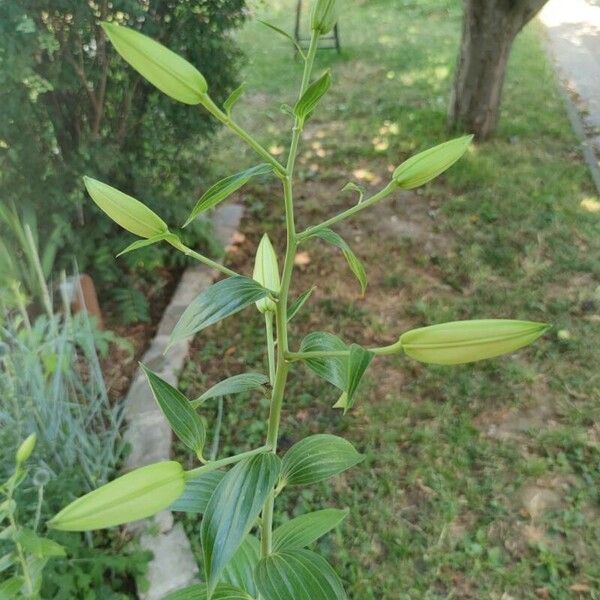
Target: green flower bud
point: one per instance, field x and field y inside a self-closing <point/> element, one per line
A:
<point x="266" y="272"/>
<point x="324" y="16"/>
<point x="427" y="165"/>
<point x="25" y="449"/>
<point x="124" y="210"/>
<point x="460" y="342"/>
<point x="136" y="495"/>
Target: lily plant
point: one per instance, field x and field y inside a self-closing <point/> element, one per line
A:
<point x="244" y="558"/>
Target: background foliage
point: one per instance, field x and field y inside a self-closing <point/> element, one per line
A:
<point x="71" y="106"/>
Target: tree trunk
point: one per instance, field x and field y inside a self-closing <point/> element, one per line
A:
<point x="489" y="29"/>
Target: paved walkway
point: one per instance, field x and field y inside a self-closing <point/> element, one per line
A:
<point x="574" y="36"/>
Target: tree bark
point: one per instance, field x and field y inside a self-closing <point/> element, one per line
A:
<point x="489" y="29"/>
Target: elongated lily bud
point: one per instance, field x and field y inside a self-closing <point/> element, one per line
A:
<point x="266" y="272"/>
<point x="124" y="210"/>
<point x="468" y="341"/>
<point x="169" y="72"/>
<point x="427" y="165"/>
<point x="26" y="448"/>
<point x="133" y="496"/>
<point x="324" y="16"/>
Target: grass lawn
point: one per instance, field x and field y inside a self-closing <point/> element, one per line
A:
<point x="480" y="481"/>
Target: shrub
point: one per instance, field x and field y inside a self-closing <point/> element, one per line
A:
<point x="69" y="105"/>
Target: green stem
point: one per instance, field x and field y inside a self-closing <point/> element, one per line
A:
<point x="13" y="523"/>
<point x="203" y="259"/>
<point x="270" y="345"/>
<point x="214" y="110"/>
<point x="282" y="369"/>
<point x="378" y="351"/>
<point x="386" y="191"/>
<point x="223" y="462"/>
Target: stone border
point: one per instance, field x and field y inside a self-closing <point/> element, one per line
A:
<point x="148" y="433"/>
<point x="575" y="117"/>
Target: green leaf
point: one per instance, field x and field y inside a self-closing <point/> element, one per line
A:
<point x="306" y="529"/>
<point x="10" y="588"/>
<point x="460" y="342"/>
<point x="333" y="369"/>
<point x="224" y="188"/>
<point x="318" y="457"/>
<point x="355" y="188"/>
<point x="197" y="492"/>
<point x="313" y="93"/>
<point x="239" y="571"/>
<point x="136" y="495"/>
<point x="427" y="165"/>
<point x="358" y="362"/>
<point x="298" y="303"/>
<point x="354" y="263"/>
<point x="155" y="239"/>
<point x="169" y="72"/>
<point x="266" y="272"/>
<point x="236" y="384"/>
<point x="216" y="302"/>
<point x="233" y="510"/>
<point x="233" y="98"/>
<point x="198" y="591"/>
<point x="285" y="34"/>
<point x="298" y="575"/>
<point x="7" y="561"/>
<point x="37" y="546"/>
<point x="183" y="419"/>
<point x="124" y="210"/>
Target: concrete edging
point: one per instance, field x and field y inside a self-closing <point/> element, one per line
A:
<point x="148" y="434"/>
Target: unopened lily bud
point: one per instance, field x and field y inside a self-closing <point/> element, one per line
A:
<point x="136" y="495"/>
<point x="427" y="165"/>
<point x="266" y="272"/>
<point x="324" y="16"/>
<point x="460" y="342"/>
<point x="25" y="449"/>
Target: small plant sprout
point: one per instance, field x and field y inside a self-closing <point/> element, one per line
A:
<point x="237" y="504"/>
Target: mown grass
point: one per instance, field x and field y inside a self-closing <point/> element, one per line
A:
<point x="480" y="481"/>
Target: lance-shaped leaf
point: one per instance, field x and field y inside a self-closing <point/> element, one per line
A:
<point x="37" y="546"/>
<point x="169" y="72"/>
<point x="183" y="419"/>
<point x="136" y="495"/>
<point x="10" y="588"/>
<point x="236" y="384"/>
<point x="298" y="575"/>
<point x="331" y="368"/>
<point x="318" y="457"/>
<point x="299" y="302"/>
<point x="216" y="302"/>
<point x="224" y="188"/>
<point x="233" y="98"/>
<point x="155" y="239"/>
<point x="313" y="93"/>
<point x="285" y="34"/>
<point x="306" y="529"/>
<point x="354" y="263"/>
<point x="124" y="210"/>
<point x="233" y="509"/>
<point x="198" y="591"/>
<point x="266" y="272"/>
<point x="427" y="165"/>
<point x="468" y="341"/>
<point x="358" y="362"/>
<point x="239" y="571"/>
<point x="197" y="492"/>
